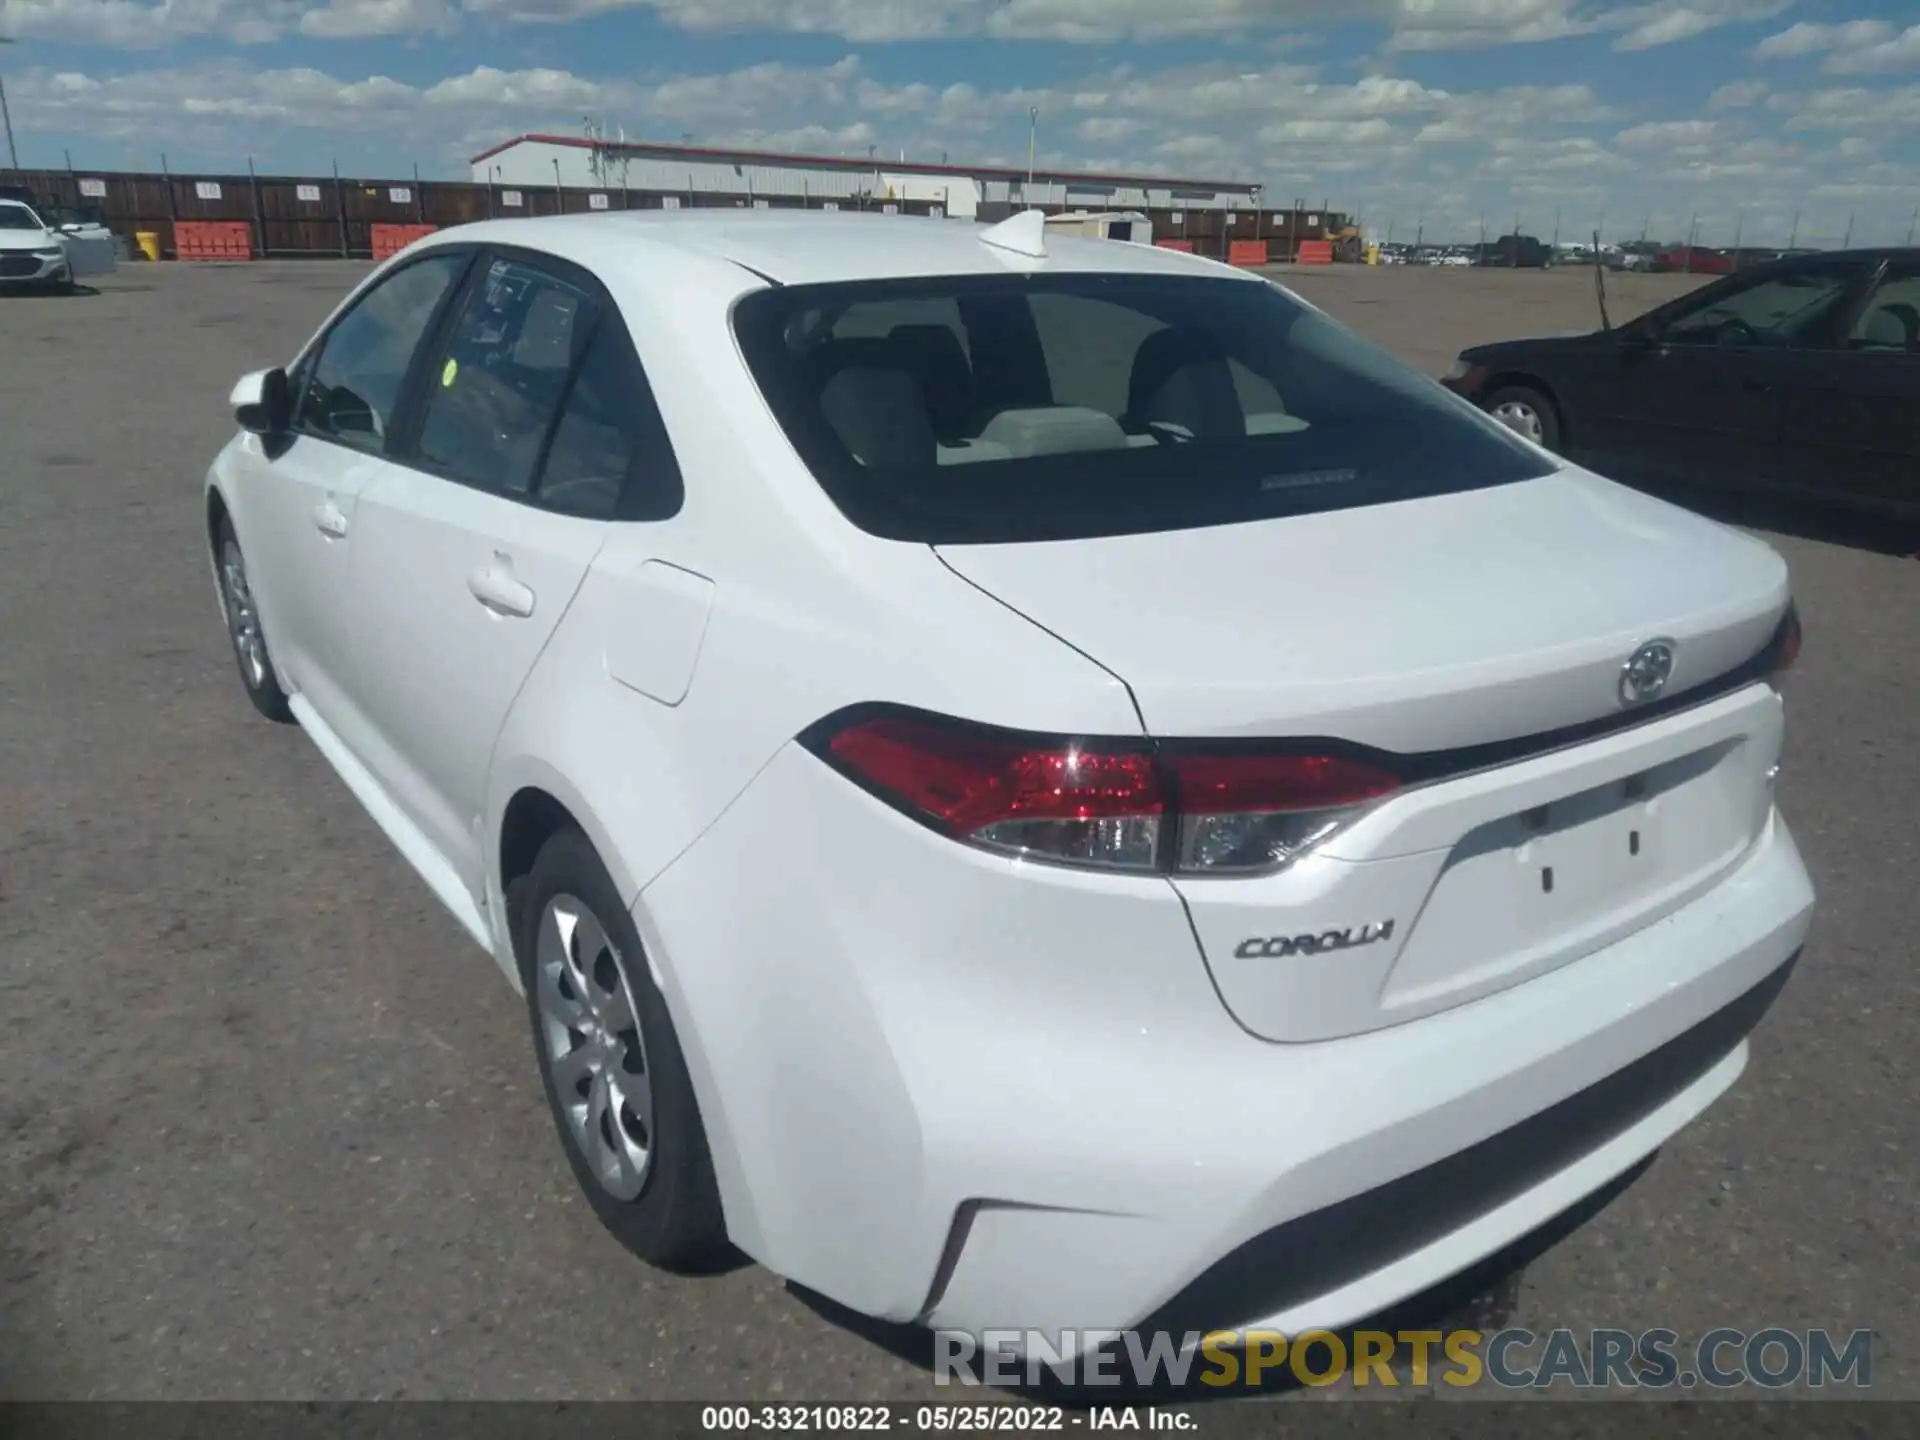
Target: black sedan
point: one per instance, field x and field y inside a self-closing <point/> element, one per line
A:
<point x="1799" y="375"/>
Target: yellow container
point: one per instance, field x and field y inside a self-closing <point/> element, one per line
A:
<point x="1373" y="253"/>
<point x="149" y="243"/>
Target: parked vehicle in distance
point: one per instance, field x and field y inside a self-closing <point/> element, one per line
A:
<point x="1007" y="767"/>
<point x="1522" y="252"/>
<point x="1802" y="375"/>
<point x="31" y="253"/>
<point x="51" y="254"/>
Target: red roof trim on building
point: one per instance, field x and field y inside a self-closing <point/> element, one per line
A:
<point x="774" y="157"/>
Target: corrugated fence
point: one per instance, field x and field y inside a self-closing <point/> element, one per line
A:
<point x="289" y="217"/>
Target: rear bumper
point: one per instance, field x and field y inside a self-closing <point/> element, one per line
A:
<point x="945" y="1086"/>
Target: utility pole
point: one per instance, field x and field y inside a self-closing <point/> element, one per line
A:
<point x="1556" y="232"/>
<point x="1793" y="236"/>
<point x="1033" y="135"/>
<point x="1847" y="242"/>
<point x="13" y="155"/>
<point x="1739" y="224"/>
<point x="1912" y="222"/>
<point x="1693" y="229"/>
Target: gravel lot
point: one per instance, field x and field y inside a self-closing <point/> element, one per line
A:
<point x="269" y="1124"/>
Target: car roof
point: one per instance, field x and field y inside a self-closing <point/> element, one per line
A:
<point x="801" y="247"/>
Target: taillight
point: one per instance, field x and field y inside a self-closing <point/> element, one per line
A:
<point x="1112" y="804"/>
<point x="1248" y="812"/>
<point x="1095" y="805"/>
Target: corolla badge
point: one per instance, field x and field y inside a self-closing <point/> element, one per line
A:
<point x="1646" y="672"/>
<point x="1278" y="947"/>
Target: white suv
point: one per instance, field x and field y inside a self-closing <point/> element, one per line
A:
<point x="1026" y="781"/>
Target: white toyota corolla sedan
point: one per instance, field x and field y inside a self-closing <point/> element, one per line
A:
<point x="1026" y="781"/>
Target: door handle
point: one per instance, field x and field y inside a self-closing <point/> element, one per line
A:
<point x="330" y="519"/>
<point x="496" y="589"/>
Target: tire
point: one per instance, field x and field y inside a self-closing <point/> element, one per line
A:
<point x="1527" y="411"/>
<point x="575" y="941"/>
<point x="244" y="632"/>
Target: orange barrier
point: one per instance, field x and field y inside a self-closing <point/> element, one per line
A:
<point x="390" y="240"/>
<point x="1247" y="252"/>
<point x="1184" y="246"/>
<point x="212" y="240"/>
<point x="1314" y="252"/>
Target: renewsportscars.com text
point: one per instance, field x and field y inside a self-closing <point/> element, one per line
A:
<point x="1772" y="1358"/>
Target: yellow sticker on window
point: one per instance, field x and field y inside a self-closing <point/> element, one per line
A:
<point x="449" y="372"/>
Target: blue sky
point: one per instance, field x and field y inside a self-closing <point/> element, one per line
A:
<point x="1744" y="113"/>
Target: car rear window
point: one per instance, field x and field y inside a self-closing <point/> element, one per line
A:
<point x="988" y="409"/>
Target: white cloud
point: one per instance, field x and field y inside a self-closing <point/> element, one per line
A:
<point x="1896" y="52"/>
<point x="1857" y="47"/>
<point x="148" y="24"/>
<point x="1651" y="25"/>
<point x="361" y="19"/>
<point x="556" y="91"/>
<point x="1411" y="24"/>
<point x="1798" y="41"/>
<point x="1666" y="134"/>
<point x="1106" y="129"/>
<point x="1738" y="95"/>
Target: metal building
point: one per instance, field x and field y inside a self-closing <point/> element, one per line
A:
<point x="962" y="191"/>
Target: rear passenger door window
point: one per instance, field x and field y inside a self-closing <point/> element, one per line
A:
<point x="350" y="387"/>
<point x="536" y="393"/>
<point x="498" y="381"/>
<point x="609" y="454"/>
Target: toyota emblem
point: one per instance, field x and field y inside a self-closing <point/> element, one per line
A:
<point x="1646" y="672"/>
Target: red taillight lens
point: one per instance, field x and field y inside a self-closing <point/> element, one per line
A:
<point x="1103" y="803"/>
<point x="1058" y="799"/>
<point x="1249" y="812"/>
<point x="1225" y="783"/>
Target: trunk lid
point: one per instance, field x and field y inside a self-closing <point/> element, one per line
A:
<point x="1429" y="626"/>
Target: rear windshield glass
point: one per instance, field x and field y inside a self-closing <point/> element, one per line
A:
<point x="991" y="409"/>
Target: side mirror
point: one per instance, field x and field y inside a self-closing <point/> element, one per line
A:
<point x="263" y="402"/>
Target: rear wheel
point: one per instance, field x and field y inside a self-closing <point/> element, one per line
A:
<point x="610" y="1063"/>
<point x="243" y="629"/>
<point x="1527" y="412"/>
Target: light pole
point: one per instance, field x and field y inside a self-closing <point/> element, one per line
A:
<point x="13" y="155"/>
<point x="1033" y="132"/>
